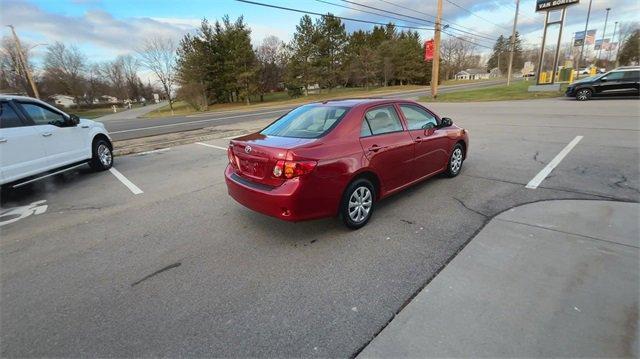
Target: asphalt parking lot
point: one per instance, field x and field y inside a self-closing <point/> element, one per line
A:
<point x="176" y="267"/>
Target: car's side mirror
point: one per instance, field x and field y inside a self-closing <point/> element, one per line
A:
<point x="446" y="122"/>
<point x="72" y="120"/>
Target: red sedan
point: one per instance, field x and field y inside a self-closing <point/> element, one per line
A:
<point x="341" y="157"/>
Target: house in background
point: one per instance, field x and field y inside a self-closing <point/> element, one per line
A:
<point x="472" y="74"/>
<point x="495" y="72"/>
<point x="63" y="100"/>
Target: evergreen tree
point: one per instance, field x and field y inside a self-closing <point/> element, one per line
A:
<point x="331" y="41"/>
<point x="301" y="71"/>
<point x="630" y="51"/>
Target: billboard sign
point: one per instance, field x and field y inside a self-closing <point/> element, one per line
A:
<point x="428" y="50"/>
<point x="546" y="5"/>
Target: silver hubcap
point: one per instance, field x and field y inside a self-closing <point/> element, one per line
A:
<point x="456" y="160"/>
<point x="104" y="154"/>
<point x="582" y="95"/>
<point x="360" y="204"/>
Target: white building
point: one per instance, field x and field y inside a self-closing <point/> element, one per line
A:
<point x="63" y="100"/>
<point x="472" y="74"/>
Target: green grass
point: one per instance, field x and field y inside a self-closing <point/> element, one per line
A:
<point x="181" y="108"/>
<point x="460" y="82"/>
<point x="90" y="113"/>
<point x="517" y="91"/>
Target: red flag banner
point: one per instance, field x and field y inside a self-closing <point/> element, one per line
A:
<point x="428" y="50"/>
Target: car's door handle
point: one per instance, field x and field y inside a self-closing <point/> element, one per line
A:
<point x="376" y="148"/>
<point x="3" y="140"/>
<point x="84" y="126"/>
<point x="47" y="134"/>
<point x="417" y="140"/>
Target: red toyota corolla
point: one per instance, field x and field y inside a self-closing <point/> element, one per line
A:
<point x="341" y="157"/>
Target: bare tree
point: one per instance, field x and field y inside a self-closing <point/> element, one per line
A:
<point x="456" y="55"/>
<point x="12" y="75"/>
<point x="271" y="59"/>
<point x="159" y="56"/>
<point x="113" y="72"/>
<point x="66" y="65"/>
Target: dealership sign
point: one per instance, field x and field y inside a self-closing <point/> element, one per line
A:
<point x="546" y="5"/>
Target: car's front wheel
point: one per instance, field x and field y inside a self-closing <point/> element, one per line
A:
<point x="357" y="203"/>
<point x="583" y="94"/>
<point x="455" y="161"/>
<point x="102" y="158"/>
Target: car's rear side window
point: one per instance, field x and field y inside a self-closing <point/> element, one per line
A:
<point x="632" y="75"/>
<point x="310" y="121"/>
<point x="380" y="120"/>
<point x="8" y="117"/>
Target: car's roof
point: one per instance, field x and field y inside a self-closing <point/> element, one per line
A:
<point x="627" y="68"/>
<point x="353" y="102"/>
<point x="7" y="97"/>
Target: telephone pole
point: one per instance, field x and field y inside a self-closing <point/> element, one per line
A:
<point x="435" y="67"/>
<point x="513" y="43"/>
<point x="586" y="25"/>
<point x="615" y="26"/>
<point x="603" y="33"/>
<point x="24" y="63"/>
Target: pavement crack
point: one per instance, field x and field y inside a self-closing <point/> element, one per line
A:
<point x="535" y="158"/>
<point x="171" y="266"/>
<point x="622" y="184"/>
<point x="470" y="209"/>
<point x="407" y="222"/>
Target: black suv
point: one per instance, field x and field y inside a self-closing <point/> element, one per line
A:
<point x="623" y="81"/>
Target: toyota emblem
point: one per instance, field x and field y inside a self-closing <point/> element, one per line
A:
<point x="247" y="149"/>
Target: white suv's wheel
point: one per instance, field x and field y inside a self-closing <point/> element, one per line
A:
<point x="102" y="155"/>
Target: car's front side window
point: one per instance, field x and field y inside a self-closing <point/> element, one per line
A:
<point x="380" y="120"/>
<point x="632" y="75"/>
<point x="8" y="117"/>
<point x="41" y="115"/>
<point x="418" y="118"/>
<point x="614" y="76"/>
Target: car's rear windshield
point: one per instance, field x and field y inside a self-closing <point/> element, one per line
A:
<point x="310" y="121"/>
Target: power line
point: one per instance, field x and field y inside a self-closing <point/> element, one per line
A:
<point x="369" y="12"/>
<point x="335" y="16"/>
<point x="433" y="16"/>
<point x="415" y="18"/>
<point x="474" y="14"/>
<point x="466" y="40"/>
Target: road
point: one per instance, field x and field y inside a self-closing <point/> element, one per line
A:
<point x="132" y="127"/>
<point x="183" y="270"/>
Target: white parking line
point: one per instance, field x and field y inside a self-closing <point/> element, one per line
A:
<point x="132" y="187"/>
<point x="153" y="151"/>
<point x="213" y="146"/>
<point x="199" y="121"/>
<point x="535" y="182"/>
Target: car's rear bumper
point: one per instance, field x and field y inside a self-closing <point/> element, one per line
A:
<point x="294" y="200"/>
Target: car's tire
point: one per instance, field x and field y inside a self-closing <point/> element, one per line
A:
<point x="102" y="155"/>
<point x="357" y="203"/>
<point x="583" y="94"/>
<point x="455" y="161"/>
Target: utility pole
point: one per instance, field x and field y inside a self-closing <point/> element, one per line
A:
<point x="513" y="43"/>
<point x="615" y="26"/>
<point x="586" y="25"/>
<point x="24" y="62"/>
<point x="603" y="33"/>
<point x="435" y="67"/>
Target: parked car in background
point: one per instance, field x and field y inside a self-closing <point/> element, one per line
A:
<point x="623" y="81"/>
<point x="38" y="140"/>
<point x="341" y="157"/>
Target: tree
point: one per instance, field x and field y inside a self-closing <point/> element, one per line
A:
<point x="457" y="55"/>
<point x="271" y="60"/>
<point x="331" y="41"/>
<point x="301" y="70"/>
<point x="13" y="77"/>
<point x="158" y="55"/>
<point x="498" y="57"/>
<point x="630" y="52"/>
<point x="65" y="66"/>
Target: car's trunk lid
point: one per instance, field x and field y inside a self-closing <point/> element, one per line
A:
<point x="257" y="154"/>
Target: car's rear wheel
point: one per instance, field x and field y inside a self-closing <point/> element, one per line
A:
<point x="357" y="203"/>
<point x="455" y="161"/>
<point x="102" y="158"/>
<point x="583" y="95"/>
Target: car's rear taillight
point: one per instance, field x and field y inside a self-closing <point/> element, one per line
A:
<point x="291" y="169"/>
<point x="231" y="156"/>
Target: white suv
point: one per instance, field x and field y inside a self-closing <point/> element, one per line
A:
<point x="38" y="140"/>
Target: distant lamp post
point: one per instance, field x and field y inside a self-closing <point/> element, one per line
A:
<point x="603" y="33"/>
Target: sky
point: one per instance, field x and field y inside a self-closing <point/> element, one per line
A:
<point x="104" y="29"/>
